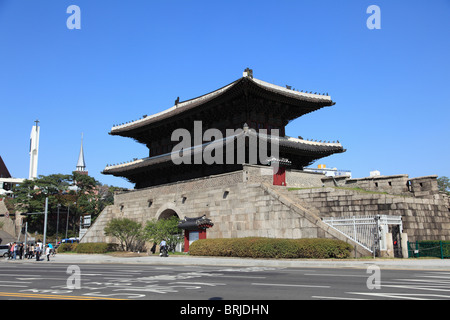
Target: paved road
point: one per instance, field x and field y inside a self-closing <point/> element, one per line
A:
<point x="44" y="280"/>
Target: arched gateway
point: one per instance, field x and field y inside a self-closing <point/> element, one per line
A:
<point x="167" y="211"/>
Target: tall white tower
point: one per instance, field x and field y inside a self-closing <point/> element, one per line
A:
<point x="34" y="150"/>
<point x="81" y="165"/>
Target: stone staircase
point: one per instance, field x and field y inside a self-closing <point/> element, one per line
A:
<point x="305" y="210"/>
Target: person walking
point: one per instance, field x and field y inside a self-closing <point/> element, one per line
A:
<point x="48" y="251"/>
<point x="38" y="252"/>
<point x="15" y="249"/>
<point x="11" y="250"/>
<point x="153" y="249"/>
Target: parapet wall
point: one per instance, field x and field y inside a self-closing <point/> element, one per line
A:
<point x="423" y="219"/>
<point x="421" y="187"/>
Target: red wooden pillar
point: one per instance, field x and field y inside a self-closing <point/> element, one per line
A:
<point x="279" y="177"/>
<point x="186" y="240"/>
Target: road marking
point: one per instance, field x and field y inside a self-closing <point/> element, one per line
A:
<point x="404" y="295"/>
<point x="41" y="278"/>
<point x="423" y="287"/>
<point x="13" y="285"/>
<point x="335" y="298"/>
<point x="289" y="285"/>
<point x="51" y="296"/>
<point x="245" y="277"/>
<point x="336" y="275"/>
<point x="438" y="277"/>
<point x="211" y="284"/>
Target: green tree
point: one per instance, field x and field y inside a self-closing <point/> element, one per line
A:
<point x="79" y="191"/>
<point x="161" y="229"/>
<point x="444" y="184"/>
<point x="30" y="197"/>
<point x="128" y="232"/>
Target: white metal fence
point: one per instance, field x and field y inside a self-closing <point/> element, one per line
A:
<point x="367" y="231"/>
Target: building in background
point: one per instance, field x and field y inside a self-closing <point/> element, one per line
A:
<point x="81" y="164"/>
<point x="7" y="182"/>
<point x="329" y="172"/>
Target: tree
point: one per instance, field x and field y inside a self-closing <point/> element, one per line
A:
<point x="79" y="191"/>
<point x="30" y="197"/>
<point x="166" y="229"/>
<point x="128" y="232"/>
<point x="444" y="184"/>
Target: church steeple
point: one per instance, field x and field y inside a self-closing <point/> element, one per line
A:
<point x="81" y="165"/>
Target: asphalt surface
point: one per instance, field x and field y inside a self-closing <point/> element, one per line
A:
<point x="180" y="278"/>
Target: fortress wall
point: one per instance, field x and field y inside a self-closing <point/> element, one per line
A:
<point x="423" y="218"/>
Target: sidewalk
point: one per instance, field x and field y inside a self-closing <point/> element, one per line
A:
<point x="411" y="264"/>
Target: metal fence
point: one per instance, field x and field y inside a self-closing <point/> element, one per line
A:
<point x="438" y="249"/>
<point x="368" y="231"/>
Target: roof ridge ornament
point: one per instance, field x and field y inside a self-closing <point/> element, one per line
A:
<point x="248" y="73"/>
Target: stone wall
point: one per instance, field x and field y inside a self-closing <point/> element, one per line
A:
<point x="421" y="187"/>
<point x="11" y="225"/>
<point x="303" y="179"/>
<point x="245" y="203"/>
<point x="396" y="184"/>
<point x="423" y="219"/>
<point x="237" y="208"/>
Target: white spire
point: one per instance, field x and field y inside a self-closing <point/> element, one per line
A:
<point x="34" y="150"/>
<point x="81" y="165"/>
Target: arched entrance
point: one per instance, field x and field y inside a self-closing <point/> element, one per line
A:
<point x="168" y="211"/>
<point x="167" y="214"/>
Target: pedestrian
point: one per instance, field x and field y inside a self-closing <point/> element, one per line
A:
<point x="11" y="250"/>
<point x="52" y="249"/>
<point x="15" y="249"/>
<point x="163" y="248"/>
<point x="48" y="251"/>
<point x="21" y="251"/>
<point x="38" y="252"/>
<point x="153" y="249"/>
<point x="30" y="250"/>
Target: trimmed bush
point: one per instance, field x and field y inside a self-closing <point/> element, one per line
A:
<point x="67" y="247"/>
<point x="96" y="247"/>
<point x="272" y="248"/>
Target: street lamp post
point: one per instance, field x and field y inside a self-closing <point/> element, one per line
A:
<point x="45" y="223"/>
<point x="57" y="223"/>
<point x="67" y="220"/>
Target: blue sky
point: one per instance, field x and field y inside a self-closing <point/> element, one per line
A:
<point x="131" y="58"/>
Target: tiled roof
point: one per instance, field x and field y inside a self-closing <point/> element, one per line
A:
<point x="181" y="107"/>
<point x="319" y="148"/>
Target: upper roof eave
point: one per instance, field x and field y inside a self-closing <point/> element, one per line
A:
<point x="324" y="100"/>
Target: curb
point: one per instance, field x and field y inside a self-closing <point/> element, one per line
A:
<point x="404" y="264"/>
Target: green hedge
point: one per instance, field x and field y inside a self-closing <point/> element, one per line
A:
<point x="88" y="247"/>
<point x="96" y="247"/>
<point x="271" y="248"/>
<point x="67" y="247"/>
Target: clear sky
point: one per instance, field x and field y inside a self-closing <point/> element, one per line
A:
<point x="131" y="58"/>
